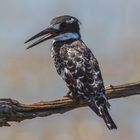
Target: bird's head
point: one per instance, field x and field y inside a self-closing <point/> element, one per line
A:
<point x="61" y="28"/>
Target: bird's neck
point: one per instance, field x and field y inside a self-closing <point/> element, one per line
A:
<point x="66" y="37"/>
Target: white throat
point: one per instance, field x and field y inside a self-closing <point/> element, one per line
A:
<point x="66" y="36"/>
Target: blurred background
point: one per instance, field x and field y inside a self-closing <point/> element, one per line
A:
<point x="111" y="29"/>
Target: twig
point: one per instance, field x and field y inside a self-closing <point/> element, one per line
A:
<point x="11" y="110"/>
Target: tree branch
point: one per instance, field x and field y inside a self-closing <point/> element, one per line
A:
<point x="11" y="110"/>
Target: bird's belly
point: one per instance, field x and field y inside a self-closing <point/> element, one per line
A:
<point x="79" y="85"/>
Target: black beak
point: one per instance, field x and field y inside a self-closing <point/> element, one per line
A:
<point x="45" y="35"/>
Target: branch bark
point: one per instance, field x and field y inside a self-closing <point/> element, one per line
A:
<point x="14" y="111"/>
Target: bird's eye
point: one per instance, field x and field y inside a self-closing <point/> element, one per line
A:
<point x="71" y="20"/>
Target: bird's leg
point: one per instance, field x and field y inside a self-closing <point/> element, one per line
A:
<point x="69" y="94"/>
<point x="112" y="87"/>
<point x="73" y="97"/>
<point x="77" y="98"/>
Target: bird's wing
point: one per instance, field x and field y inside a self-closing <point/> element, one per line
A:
<point x="83" y="76"/>
<point x="81" y="70"/>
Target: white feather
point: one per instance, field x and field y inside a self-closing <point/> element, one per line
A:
<point x="70" y="21"/>
<point x="66" y="36"/>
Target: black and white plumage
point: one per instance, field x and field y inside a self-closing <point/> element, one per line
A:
<point x="76" y="64"/>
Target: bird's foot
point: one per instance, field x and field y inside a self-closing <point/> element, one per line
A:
<point x="73" y="97"/>
<point x="69" y="95"/>
<point x="112" y="87"/>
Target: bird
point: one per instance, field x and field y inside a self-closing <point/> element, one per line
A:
<point x="76" y="64"/>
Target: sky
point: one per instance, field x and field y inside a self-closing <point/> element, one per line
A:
<point x="109" y="28"/>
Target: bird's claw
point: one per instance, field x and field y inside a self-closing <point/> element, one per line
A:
<point x="69" y="94"/>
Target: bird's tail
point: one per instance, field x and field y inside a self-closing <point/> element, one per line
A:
<point x="107" y="118"/>
<point x="102" y="111"/>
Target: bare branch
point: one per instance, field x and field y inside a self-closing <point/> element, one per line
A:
<point x="12" y="110"/>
